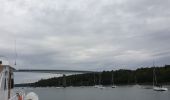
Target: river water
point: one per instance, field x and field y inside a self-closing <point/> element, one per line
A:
<point x="135" y="92"/>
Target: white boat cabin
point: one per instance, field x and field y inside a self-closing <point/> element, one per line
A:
<point x="6" y="81"/>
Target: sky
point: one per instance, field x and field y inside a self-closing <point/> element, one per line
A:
<point x="85" y="34"/>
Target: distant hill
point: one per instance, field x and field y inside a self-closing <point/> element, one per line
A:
<point x="24" y="85"/>
<point x="122" y="76"/>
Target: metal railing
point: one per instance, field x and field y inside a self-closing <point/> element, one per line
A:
<point x="1" y="77"/>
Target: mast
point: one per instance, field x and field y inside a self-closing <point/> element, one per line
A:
<point x="99" y="78"/>
<point x="155" y="78"/>
<point x="154" y="75"/>
<point x="112" y="78"/>
<point x="15" y="63"/>
<point x="94" y="79"/>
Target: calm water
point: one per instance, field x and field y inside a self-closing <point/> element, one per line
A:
<point x="91" y="93"/>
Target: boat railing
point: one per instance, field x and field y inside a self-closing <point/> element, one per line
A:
<point x="1" y="77"/>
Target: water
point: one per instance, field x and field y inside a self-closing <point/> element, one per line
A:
<point x="91" y="93"/>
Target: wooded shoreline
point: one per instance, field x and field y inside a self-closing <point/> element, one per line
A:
<point x="143" y="76"/>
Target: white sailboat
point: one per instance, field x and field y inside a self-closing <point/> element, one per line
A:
<point x="94" y="80"/>
<point x="99" y="86"/>
<point x="160" y="88"/>
<point x="157" y="87"/>
<point x="113" y="85"/>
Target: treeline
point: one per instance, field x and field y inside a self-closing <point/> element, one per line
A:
<point x="122" y="76"/>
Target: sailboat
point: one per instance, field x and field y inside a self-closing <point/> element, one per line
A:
<point x="94" y="80"/>
<point x="99" y="86"/>
<point x="113" y="85"/>
<point x="156" y="86"/>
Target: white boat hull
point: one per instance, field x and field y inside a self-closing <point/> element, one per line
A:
<point x="99" y="86"/>
<point x="114" y="86"/>
<point x="160" y="88"/>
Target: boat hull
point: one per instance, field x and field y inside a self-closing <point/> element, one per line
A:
<point x="99" y="86"/>
<point x="160" y="89"/>
<point x="114" y="86"/>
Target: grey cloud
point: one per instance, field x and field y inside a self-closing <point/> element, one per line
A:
<point x="85" y="34"/>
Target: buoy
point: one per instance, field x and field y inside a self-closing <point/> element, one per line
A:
<point x="31" y="96"/>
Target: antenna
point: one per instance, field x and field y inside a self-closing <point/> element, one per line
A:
<point x="15" y="63"/>
<point x="153" y="63"/>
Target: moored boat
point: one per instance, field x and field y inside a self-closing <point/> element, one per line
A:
<point x="156" y="86"/>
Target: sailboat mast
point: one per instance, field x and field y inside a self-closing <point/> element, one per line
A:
<point x="99" y="78"/>
<point x="153" y="76"/>
<point x="94" y="79"/>
<point x="112" y="79"/>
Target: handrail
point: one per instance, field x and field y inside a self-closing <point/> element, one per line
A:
<point x="1" y="76"/>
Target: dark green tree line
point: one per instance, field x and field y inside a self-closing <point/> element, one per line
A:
<point x="122" y="76"/>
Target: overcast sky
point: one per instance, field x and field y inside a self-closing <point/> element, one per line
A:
<point x="85" y="34"/>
